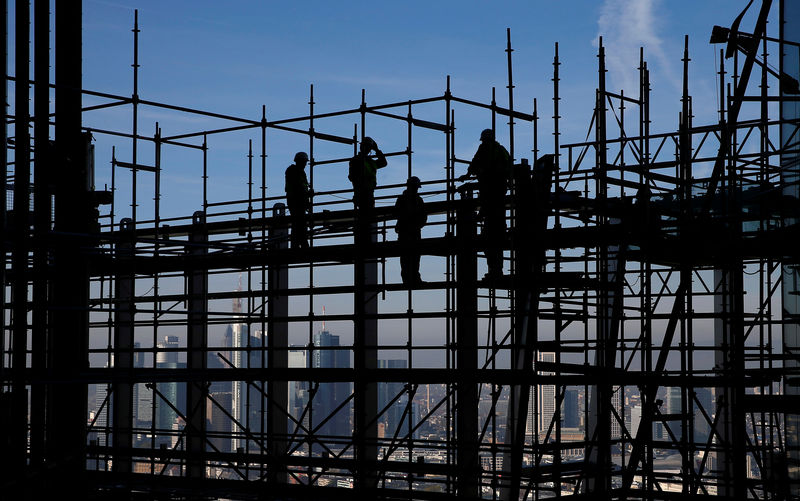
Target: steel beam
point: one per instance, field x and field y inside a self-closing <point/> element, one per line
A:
<point x="532" y="210"/>
<point x="6" y="433"/>
<point x="467" y="429"/>
<point x="278" y="353"/>
<point x="365" y="356"/>
<point x="729" y="363"/>
<point x="69" y="335"/>
<point x="197" y="343"/>
<point x="21" y="245"/>
<point x="598" y="426"/>
<point x="790" y="269"/>
<point x="41" y="220"/>
<point x="122" y="391"/>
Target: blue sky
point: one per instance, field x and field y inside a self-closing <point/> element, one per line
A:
<point x="235" y="58"/>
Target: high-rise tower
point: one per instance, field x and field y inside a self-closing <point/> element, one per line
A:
<point x="328" y="354"/>
<point x="167" y="358"/>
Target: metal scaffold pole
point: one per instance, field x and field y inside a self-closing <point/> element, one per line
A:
<point x="68" y="337"/>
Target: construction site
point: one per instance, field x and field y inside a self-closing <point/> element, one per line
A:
<point x="641" y="342"/>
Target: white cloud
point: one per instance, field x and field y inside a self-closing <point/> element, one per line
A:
<point x="626" y="25"/>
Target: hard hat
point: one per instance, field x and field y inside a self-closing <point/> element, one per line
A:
<point x="413" y="182"/>
<point x="487" y="135"/>
<point x="301" y="156"/>
<point x="368" y="141"/>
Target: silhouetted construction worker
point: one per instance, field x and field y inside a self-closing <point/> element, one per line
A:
<point x="298" y="198"/>
<point x="409" y="210"/>
<point x="363" y="175"/>
<point x="492" y="166"/>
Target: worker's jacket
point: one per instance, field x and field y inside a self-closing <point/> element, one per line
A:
<point x="297" y="191"/>
<point x="492" y="166"/>
<point x="409" y="209"/>
<point x="363" y="171"/>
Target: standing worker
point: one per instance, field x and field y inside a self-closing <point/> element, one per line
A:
<point x="298" y="198"/>
<point x="492" y="166"/>
<point x="363" y="174"/>
<point x="411" y="217"/>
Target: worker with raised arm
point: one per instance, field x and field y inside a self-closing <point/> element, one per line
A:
<point x="409" y="209"/>
<point x="298" y="198"/>
<point x="491" y="165"/>
<point x="363" y="174"/>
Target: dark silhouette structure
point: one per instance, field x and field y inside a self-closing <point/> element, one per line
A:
<point x="650" y="266"/>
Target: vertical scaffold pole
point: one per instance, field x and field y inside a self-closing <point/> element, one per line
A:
<point x="510" y="87"/>
<point x="196" y="343"/>
<point x="5" y="404"/>
<point x="310" y="220"/>
<point x="135" y="110"/>
<point x="468" y="481"/>
<point x="69" y="336"/>
<point x="365" y="342"/>
<point x="41" y="214"/>
<point x="21" y="237"/>
<point x="557" y="309"/>
<point x="278" y="348"/>
<point x="790" y="268"/>
<point x="685" y="158"/>
<point x="599" y="426"/>
<point x="122" y="388"/>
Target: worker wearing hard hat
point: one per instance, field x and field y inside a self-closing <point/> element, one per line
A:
<point x="491" y="165"/>
<point x="363" y="174"/>
<point x="409" y="210"/>
<point x="298" y="198"/>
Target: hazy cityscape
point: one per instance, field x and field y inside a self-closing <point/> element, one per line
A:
<point x="237" y="421"/>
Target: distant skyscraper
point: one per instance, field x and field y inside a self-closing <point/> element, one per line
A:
<point x="673" y="400"/>
<point x="545" y="395"/>
<point x="673" y="406"/>
<point x="393" y="416"/>
<point x="658" y="431"/>
<point x="298" y="391"/>
<point x="237" y="334"/>
<point x="172" y="391"/>
<point x="701" y="426"/>
<point x="331" y="395"/>
<point x="103" y="417"/>
<point x="571" y="416"/>
<point x="142" y="397"/>
<point x="616" y="403"/>
<point x="138" y="361"/>
<point x="636" y="419"/>
<point x="219" y="424"/>
<point x="252" y="396"/>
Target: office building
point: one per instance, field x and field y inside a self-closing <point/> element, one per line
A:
<point x="393" y="416"/>
<point x="328" y="354"/>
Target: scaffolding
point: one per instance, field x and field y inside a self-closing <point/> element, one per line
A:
<point x="648" y="274"/>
